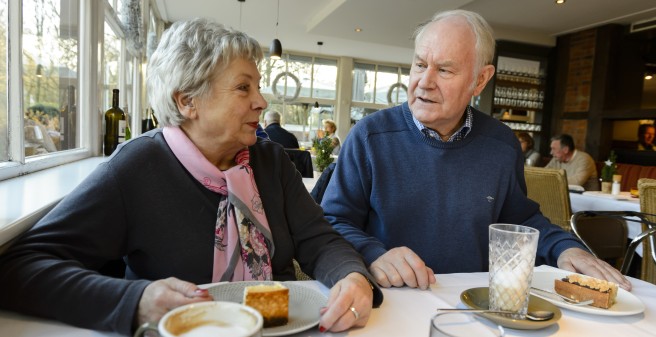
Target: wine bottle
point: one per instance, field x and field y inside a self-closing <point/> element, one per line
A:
<point x="148" y="123"/>
<point x="115" y="124"/>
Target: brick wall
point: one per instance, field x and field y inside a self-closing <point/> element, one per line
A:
<point x="580" y="68"/>
<point x="577" y="128"/>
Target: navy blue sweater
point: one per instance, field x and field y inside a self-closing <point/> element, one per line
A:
<point x="393" y="186"/>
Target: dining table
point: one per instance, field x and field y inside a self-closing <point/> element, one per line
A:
<point x="406" y="312"/>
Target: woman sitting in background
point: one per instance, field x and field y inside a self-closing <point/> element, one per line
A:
<point x="531" y="157"/>
<point x="331" y="132"/>
<point x="202" y="200"/>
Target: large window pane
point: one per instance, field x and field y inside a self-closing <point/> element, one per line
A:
<point x="325" y="79"/>
<point x="50" y="67"/>
<point x="301" y="67"/>
<point x="4" y="129"/>
<point x="364" y="76"/>
<point x="385" y="78"/>
<point x="111" y="51"/>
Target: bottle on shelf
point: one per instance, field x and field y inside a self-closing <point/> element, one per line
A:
<point x="150" y="122"/>
<point x="115" y="125"/>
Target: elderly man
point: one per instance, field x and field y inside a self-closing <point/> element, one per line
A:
<point x="580" y="167"/>
<point x="417" y="185"/>
<point x="277" y="133"/>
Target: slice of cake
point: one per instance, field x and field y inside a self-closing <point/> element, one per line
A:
<point x="583" y="288"/>
<point x="271" y="300"/>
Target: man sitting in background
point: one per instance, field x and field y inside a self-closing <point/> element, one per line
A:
<point x="277" y="133"/>
<point x="580" y="167"/>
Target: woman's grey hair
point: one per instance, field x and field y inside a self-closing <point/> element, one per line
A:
<point x="485" y="43"/>
<point x="186" y="59"/>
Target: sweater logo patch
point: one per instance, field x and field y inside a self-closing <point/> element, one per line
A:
<point x="489" y="198"/>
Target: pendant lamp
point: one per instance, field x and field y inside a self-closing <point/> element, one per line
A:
<point x="275" y="51"/>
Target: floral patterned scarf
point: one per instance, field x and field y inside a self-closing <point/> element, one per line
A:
<point x="243" y="244"/>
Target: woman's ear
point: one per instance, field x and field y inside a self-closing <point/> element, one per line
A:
<point x="185" y="104"/>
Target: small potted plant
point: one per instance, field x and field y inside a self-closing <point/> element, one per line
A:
<point x="607" y="172"/>
<point x="323" y="148"/>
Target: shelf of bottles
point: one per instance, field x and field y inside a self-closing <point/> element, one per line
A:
<point x="519" y="126"/>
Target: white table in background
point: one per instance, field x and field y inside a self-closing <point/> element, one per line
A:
<point x="406" y="312"/>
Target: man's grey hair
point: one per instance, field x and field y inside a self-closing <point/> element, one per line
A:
<point x="272" y="117"/>
<point x="186" y="60"/>
<point x="483" y="33"/>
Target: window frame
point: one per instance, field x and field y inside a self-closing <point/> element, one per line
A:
<point x="91" y="19"/>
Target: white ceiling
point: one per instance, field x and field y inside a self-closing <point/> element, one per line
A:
<point x="387" y="25"/>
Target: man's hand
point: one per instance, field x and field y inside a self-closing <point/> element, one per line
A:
<point x="580" y="261"/>
<point x="401" y="266"/>
<point x="163" y="295"/>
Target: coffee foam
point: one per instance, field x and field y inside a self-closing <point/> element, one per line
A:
<point x="205" y="321"/>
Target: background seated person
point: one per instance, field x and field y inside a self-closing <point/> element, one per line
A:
<point x="330" y="131"/>
<point x="531" y="157"/>
<point x="277" y="133"/>
<point x="646" y="134"/>
<point x="580" y="167"/>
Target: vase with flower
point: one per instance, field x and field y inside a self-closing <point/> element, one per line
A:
<point x="607" y="172"/>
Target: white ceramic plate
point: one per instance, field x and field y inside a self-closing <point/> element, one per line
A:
<point x="626" y="304"/>
<point x="304" y="304"/>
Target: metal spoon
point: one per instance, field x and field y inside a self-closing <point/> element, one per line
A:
<point x="538" y="315"/>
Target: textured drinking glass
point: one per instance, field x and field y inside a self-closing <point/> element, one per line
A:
<point x="458" y="324"/>
<point x="512" y="257"/>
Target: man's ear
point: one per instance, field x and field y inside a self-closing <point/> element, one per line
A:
<point x="484" y="76"/>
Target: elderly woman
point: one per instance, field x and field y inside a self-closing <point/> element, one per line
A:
<point x="531" y="157"/>
<point x="201" y="200"/>
<point x="331" y="132"/>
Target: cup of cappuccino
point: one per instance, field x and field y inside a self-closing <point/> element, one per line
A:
<point x="205" y="319"/>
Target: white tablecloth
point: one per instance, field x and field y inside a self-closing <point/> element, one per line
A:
<point x="591" y="201"/>
<point x="406" y="312"/>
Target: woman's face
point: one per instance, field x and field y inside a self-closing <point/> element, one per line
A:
<point x="329" y="128"/>
<point x="524" y="145"/>
<point x="229" y="114"/>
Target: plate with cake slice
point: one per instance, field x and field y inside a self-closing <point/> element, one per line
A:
<point x="609" y="299"/>
<point x="286" y="307"/>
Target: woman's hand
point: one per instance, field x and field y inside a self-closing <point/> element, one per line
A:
<point x="163" y="295"/>
<point x="349" y="304"/>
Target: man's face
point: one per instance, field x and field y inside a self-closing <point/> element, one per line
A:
<point x="558" y="151"/>
<point x="442" y="78"/>
<point x="648" y="137"/>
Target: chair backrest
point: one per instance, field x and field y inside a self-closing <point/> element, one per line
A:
<point x="302" y="160"/>
<point x="647" y="191"/>
<point x="605" y="237"/>
<point x="548" y="187"/>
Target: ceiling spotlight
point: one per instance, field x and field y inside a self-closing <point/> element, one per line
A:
<point x="560" y="2"/>
<point x="357" y="30"/>
<point x="649" y="77"/>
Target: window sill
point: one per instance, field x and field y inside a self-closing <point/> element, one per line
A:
<point x="27" y="198"/>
